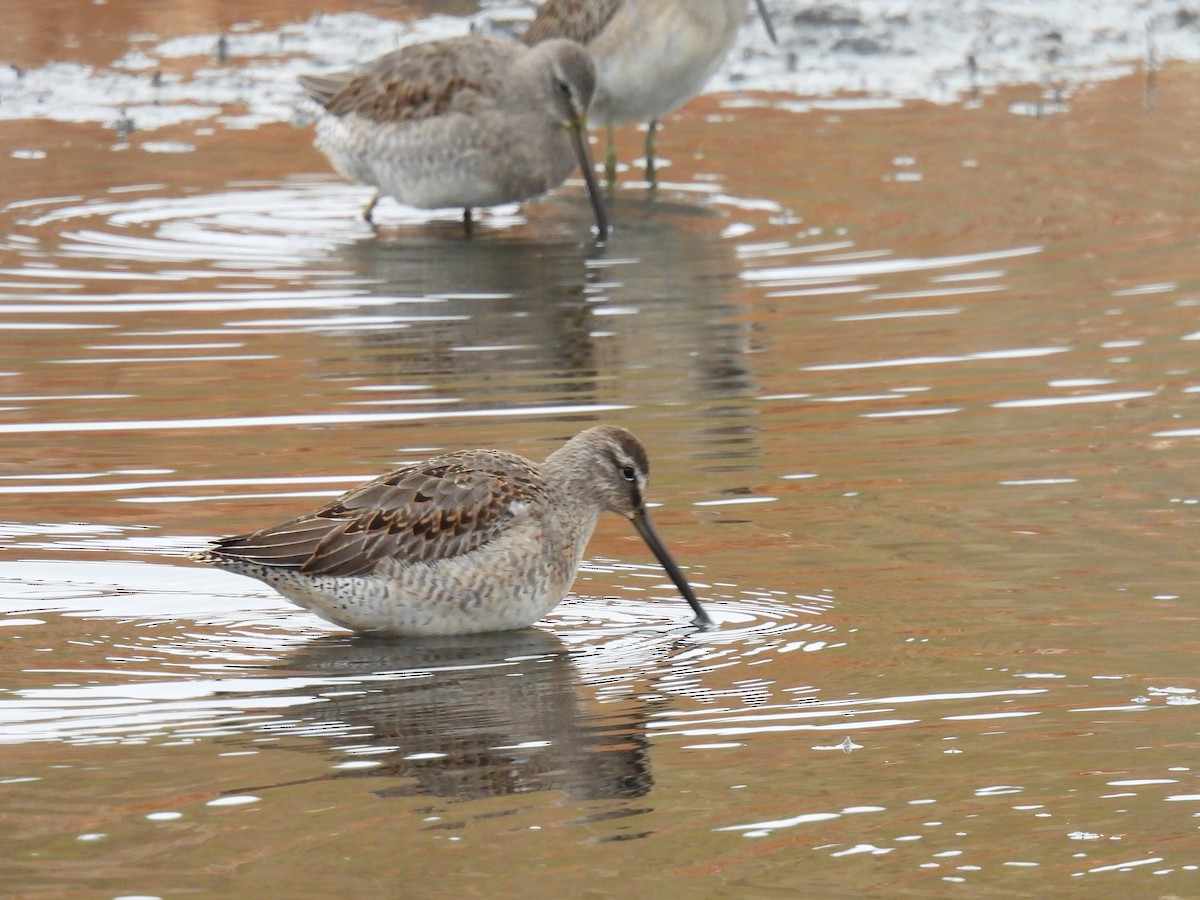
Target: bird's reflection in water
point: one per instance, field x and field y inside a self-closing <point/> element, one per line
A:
<point x="520" y="319"/>
<point x="481" y="312"/>
<point x="471" y="717"/>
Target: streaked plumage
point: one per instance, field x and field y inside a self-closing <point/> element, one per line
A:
<point x="472" y="121"/>
<point x="473" y="541"/>
<point x="651" y="55"/>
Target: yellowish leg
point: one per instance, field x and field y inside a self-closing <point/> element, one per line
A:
<point x="651" y="152"/>
<point x="369" y="210"/>
<point x="610" y="156"/>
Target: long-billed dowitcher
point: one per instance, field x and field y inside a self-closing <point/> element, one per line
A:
<point x="471" y="121"/>
<point x="473" y="541"/>
<point x="651" y="55"/>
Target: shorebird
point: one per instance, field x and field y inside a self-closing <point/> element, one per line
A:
<point x="471" y="121"/>
<point x="466" y="542"/>
<point x="651" y="55"/>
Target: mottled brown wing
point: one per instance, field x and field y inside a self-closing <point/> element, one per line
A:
<point x="423" y="513"/>
<point x="416" y="82"/>
<point x="576" y="20"/>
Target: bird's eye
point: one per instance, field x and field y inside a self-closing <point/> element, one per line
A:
<point x="629" y="473"/>
<point x="563" y="88"/>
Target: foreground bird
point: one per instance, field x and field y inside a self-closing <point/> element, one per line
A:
<point x="651" y="55"/>
<point x="473" y="541"/>
<point x="472" y="121"/>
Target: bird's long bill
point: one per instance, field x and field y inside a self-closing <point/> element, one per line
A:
<point x="579" y="136"/>
<point x="766" y="20"/>
<point x="650" y="536"/>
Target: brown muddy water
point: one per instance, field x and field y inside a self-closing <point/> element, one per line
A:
<point x="922" y="395"/>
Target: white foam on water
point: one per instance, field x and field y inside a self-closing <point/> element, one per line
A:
<point x="889" y="50"/>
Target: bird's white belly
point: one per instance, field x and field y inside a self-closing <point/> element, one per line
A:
<point x="455" y="161"/>
<point x="496" y="589"/>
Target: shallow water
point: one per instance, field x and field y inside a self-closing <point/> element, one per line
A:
<point x="919" y="388"/>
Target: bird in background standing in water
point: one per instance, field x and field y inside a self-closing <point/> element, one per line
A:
<point x="472" y="121"/>
<point x="651" y="56"/>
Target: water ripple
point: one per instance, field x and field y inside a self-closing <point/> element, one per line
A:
<point x="299" y="419"/>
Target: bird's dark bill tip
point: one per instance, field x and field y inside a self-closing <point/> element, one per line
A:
<point x="589" y="177"/>
<point x="766" y="20"/>
<point x="654" y="542"/>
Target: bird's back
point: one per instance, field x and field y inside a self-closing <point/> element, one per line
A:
<point x="418" y="82"/>
<point x="571" y="19"/>
<point x="436" y="510"/>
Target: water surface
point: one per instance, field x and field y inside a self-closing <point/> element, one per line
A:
<point x="919" y="391"/>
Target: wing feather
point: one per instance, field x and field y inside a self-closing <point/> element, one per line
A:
<point x="436" y="510"/>
<point x="417" y="82"/>
<point x="570" y="19"/>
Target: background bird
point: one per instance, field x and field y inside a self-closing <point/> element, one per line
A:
<point x="472" y="121"/>
<point x="651" y="55"/>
